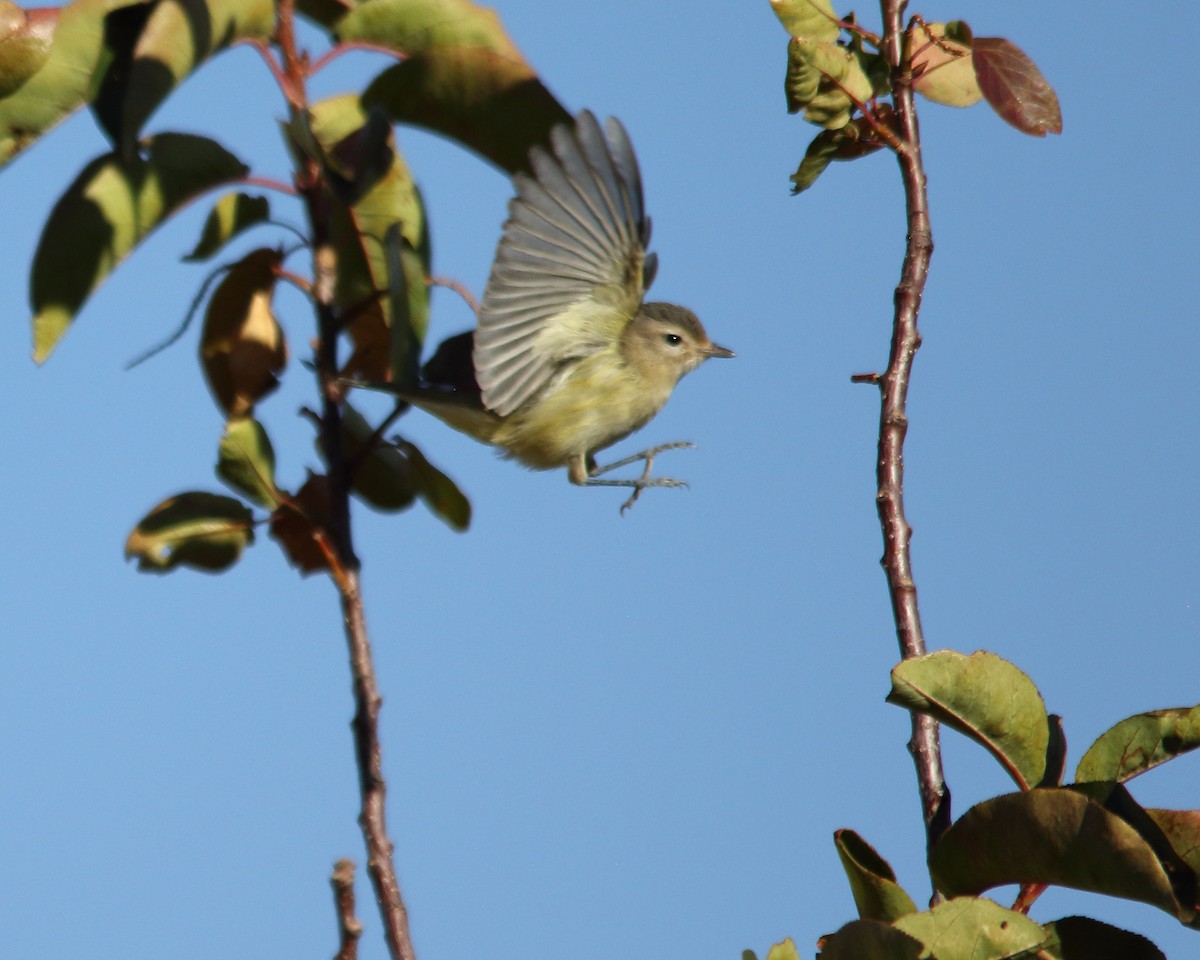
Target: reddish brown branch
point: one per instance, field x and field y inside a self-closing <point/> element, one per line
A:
<point x="893" y="420"/>
<point x="349" y="929"/>
<point x="317" y="198"/>
<point x="372" y="785"/>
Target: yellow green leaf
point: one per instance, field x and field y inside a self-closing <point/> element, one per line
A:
<point x="110" y="208"/>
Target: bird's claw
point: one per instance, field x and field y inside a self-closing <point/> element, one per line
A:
<point x="645" y="481"/>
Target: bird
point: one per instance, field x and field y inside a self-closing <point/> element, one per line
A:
<point x="567" y="358"/>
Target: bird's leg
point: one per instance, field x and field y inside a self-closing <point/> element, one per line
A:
<point x="641" y="483"/>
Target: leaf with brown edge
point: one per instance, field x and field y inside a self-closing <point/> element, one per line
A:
<point x="246" y="461"/>
<point x="300" y="523"/>
<point x="25" y="38"/>
<point x="1182" y="830"/>
<point x="1053" y="836"/>
<point x="201" y="530"/>
<point x="1015" y="87"/>
<point x="161" y="50"/>
<point x="242" y="346"/>
<point x="110" y="208"/>
<point x="1140" y="743"/>
<point x="984" y="697"/>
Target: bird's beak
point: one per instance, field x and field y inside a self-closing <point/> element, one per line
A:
<point x="718" y="351"/>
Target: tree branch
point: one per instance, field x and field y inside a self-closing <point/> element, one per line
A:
<point x="893" y="420"/>
<point x="349" y="929"/>
<point x="317" y="198"/>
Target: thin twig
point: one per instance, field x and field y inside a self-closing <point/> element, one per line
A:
<point x="197" y="300"/>
<point x="315" y="193"/>
<point x="349" y="929"/>
<point x="458" y="288"/>
<point x="893" y="421"/>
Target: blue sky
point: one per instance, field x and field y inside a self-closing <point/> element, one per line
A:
<point x="605" y="736"/>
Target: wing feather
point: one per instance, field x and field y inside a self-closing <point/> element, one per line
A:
<point x="571" y="266"/>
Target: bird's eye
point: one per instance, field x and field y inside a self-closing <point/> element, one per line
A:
<point x="672" y="339"/>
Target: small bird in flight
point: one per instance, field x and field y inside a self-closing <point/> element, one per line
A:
<point x="567" y="358"/>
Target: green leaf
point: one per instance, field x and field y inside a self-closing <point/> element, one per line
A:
<point x="461" y="76"/>
<point x="967" y="928"/>
<point x="807" y="18"/>
<point x="231" y="215"/>
<point x="856" y="139"/>
<point x="65" y="80"/>
<point x="817" y="157"/>
<point x="871" y="940"/>
<point x="246" y="461"/>
<point x="1140" y="743"/>
<point x="877" y="895"/>
<point x="149" y="62"/>
<point x="984" y="697"/>
<point x="24" y="44"/>
<point x="405" y="271"/>
<point x="360" y="225"/>
<point x="412" y="26"/>
<point x="1082" y="938"/>
<point x="440" y="494"/>
<point x="204" y="531"/>
<point x="942" y="67"/>
<point x="1052" y="836"/>
<point x="390" y="475"/>
<point x="1015" y="87"/>
<point x="109" y="209"/>
<point x="1117" y="800"/>
<point x="826" y="81"/>
<point x="242" y="345"/>
<point x="381" y="478"/>
<point x="784" y="950"/>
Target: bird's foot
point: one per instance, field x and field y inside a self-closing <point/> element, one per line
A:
<point x="645" y="481"/>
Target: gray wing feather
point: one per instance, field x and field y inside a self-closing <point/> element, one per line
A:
<point x="575" y="238"/>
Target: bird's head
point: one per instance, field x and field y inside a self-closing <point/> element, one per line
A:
<point x="665" y="340"/>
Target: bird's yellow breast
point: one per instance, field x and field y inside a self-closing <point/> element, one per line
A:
<point x="597" y="402"/>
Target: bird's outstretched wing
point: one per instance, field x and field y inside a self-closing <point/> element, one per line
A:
<point x="571" y="267"/>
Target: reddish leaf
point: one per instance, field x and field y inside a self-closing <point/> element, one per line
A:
<point x="297" y="525"/>
<point x="1015" y="87"/>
